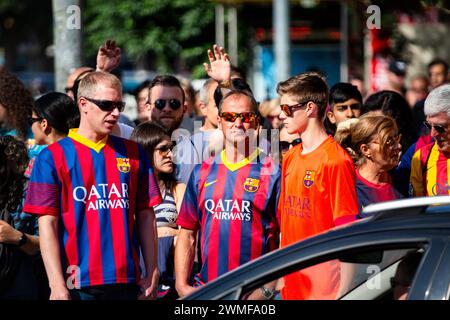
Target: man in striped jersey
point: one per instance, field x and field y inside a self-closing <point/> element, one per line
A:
<point x="230" y="198"/>
<point x="430" y="174"/>
<point x="94" y="194"/>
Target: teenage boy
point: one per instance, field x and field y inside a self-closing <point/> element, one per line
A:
<point x="318" y="183"/>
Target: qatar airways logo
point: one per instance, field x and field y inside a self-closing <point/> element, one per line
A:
<point x="103" y="196"/>
<point x="229" y="209"/>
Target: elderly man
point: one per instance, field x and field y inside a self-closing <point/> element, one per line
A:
<point x="429" y="164"/>
<point x="233" y="195"/>
<point x="94" y="194"/>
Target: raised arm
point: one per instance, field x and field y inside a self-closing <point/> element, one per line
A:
<point x="219" y="67"/>
<point x="108" y="56"/>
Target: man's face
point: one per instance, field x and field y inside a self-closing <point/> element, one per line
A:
<point x="437" y="75"/>
<point x="100" y="121"/>
<point x="238" y="131"/>
<point x="344" y="110"/>
<point x="298" y="121"/>
<point x="396" y="81"/>
<point x="169" y="117"/>
<point x="442" y="138"/>
<point x="142" y="97"/>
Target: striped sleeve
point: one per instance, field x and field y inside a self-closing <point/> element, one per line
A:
<point x="416" y="182"/>
<point x="188" y="216"/>
<point x="44" y="191"/>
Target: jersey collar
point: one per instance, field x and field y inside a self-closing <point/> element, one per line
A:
<point x="73" y="133"/>
<point x="240" y="164"/>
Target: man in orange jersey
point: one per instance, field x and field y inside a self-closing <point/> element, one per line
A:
<point x="430" y="174"/>
<point x="318" y="183"/>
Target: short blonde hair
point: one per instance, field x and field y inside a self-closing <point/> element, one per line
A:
<point x="90" y="83"/>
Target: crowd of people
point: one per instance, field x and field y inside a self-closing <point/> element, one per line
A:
<point x="97" y="206"/>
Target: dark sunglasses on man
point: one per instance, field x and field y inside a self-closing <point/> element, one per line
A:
<point x="107" y="105"/>
<point x="246" y="117"/>
<point x="174" y="104"/>
<point x="439" y="128"/>
<point x="285" y="145"/>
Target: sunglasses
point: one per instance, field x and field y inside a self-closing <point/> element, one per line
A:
<point x="164" y="150"/>
<point x="289" y="109"/>
<point x="246" y="117"/>
<point x="32" y="120"/>
<point x="173" y="103"/>
<point x="107" y="105"/>
<point x="439" y="128"/>
<point x="285" y="145"/>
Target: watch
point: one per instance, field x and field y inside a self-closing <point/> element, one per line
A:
<point x="22" y="240"/>
<point x="267" y="293"/>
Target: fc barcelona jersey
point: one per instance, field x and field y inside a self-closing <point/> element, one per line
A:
<point x="95" y="190"/>
<point x="430" y="175"/>
<point x="234" y="206"/>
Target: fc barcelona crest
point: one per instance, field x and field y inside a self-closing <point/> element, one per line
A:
<point x="308" y="180"/>
<point x="251" y="185"/>
<point x="123" y="164"/>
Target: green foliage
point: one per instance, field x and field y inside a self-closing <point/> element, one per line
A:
<point x="166" y="31"/>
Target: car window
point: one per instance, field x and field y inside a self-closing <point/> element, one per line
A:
<point x="376" y="274"/>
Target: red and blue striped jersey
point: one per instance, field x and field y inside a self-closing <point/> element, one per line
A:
<point x="234" y="206"/>
<point x="95" y="190"/>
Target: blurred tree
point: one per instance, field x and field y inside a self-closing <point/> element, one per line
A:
<point x="160" y="34"/>
<point x="25" y="34"/>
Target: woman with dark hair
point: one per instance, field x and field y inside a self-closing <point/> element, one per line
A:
<point x="16" y="103"/>
<point x="392" y="104"/>
<point x="156" y="141"/>
<point x="18" y="240"/>
<point x="53" y="115"/>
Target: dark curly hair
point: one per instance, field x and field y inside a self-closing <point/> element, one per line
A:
<point x="18" y="102"/>
<point x="13" y="163"/>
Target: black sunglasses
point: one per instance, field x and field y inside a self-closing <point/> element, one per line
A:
<point x="173" y="103"/>
<point x="285" y="145"/>
<point x="32" y="120"/>
<point x="107" y="105"/>
<point x="289" y="109"/>
<point x="439" y="128"/>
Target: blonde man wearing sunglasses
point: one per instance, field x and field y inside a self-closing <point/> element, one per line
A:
<point x="94" y="194"/>
<point x="318" y="182"/>
<point x="429" y="165"/>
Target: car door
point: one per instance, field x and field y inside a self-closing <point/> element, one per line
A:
<point x="339" y="250"/>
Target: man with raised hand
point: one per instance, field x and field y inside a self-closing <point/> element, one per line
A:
<point x="231" y="200"/>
